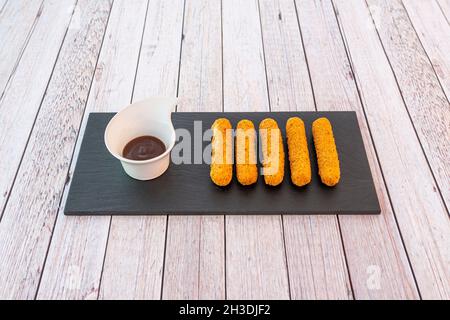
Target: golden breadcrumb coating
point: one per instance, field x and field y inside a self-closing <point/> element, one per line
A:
<point x="327" y="156"/>
<point x="221" y="171"/>
<point x="298" y="152"/>
<point x="273" y="153"/>
<point x="245" y="150"/>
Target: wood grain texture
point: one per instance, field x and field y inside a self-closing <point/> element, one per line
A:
<point x="334" y="88"/>
<point x="134" y="258"/>
<point x="194" y="267"/>
<point x="31" y="35"/>
<point x="287" y="72"/>
<point x="157" y="74"/>
<point x="21" y="101"/>
<point x="420" y="212"/>
<point x="255" y="256"/>
<point x="317" y="271"/>
<point x="311" y="275"/>
<point x="433" y="30"/>
<point x="195" y="254"/>
<point x="200" y="85"/>
<point x="74" y="262"/>
<point x="2" y="5"/>
<point x="17" y="22"/>
<point x="426" y="102"/>
<point x="316" y="262"/>
<point x="445" y="8"/>
<point x="112" y="88"/>
<point x="29" y="216"/>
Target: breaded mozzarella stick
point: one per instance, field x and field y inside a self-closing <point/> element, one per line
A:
<point x="326" y="151"/>
<point x="221" y="170"/>
<point x="272" y="152"/>
<point x="298" y="152"/>
<point x="245" y="150"/>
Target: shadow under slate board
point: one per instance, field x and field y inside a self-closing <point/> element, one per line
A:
<point x="101" y="187"/>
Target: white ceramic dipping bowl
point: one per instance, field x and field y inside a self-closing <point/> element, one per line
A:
<point x="150" y="117"/>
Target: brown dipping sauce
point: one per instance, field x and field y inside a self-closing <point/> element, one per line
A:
<point x="144" y="148"/>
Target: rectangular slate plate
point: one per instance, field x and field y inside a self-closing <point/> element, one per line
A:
<point x="100" y="186"/>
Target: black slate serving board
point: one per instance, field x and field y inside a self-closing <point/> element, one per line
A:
<point x="101" y="187"/>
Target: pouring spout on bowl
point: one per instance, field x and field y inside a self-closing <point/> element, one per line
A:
<point x="158" y="108"/>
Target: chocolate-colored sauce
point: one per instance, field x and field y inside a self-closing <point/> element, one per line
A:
<point x="144" y="148"/>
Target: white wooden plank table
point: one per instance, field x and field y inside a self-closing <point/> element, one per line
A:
<point x="386" y="60"/>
